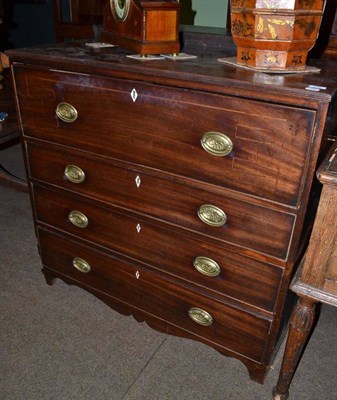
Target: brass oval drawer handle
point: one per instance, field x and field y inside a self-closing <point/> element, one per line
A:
<point x="81" y="265"/>
<point x="78" y="219"/>
<point x="212" y="215"/>
<point x="66" y="112"/>
<point x="207" y="266"/>
<point x="74" y="174"/>
<point x="216" y="143"/>
<point x="200" y="316"/>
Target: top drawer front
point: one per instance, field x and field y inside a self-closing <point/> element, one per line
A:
<point x="162" y="128"/>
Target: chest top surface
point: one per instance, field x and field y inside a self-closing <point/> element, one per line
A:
<point x="203" y="73"/>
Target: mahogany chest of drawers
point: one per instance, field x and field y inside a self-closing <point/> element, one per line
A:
<point x="178" y="192"/>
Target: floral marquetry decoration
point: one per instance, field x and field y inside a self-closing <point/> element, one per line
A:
<point x="275" y="34"/>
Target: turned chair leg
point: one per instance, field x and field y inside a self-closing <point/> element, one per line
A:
<point x="300" y="327"/>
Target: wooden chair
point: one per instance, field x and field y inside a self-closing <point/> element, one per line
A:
<point x="316" y="279"/>
<point x="84" y="17"/>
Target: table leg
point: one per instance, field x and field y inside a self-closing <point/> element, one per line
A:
<point x="11" y="181"/>
<point x="300" y="327"/>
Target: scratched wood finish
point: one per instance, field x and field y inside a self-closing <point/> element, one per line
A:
<point x="260" y="163"/>
<point x="277" y="127"/>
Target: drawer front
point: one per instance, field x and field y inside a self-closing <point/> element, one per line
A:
<point x="244" y="224"/>
<point x="231" y="328"/>
<point x="163" y="128"/>
<point x="238" y="277"/>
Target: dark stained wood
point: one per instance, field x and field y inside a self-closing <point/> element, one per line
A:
<point x="255" y="369"/>
<point x="279" y="130"/>
<point x="170" y="302"/>
<point x="259" y="163"/>
<point x="248" y="225"/>
<point x="204" y="73"/>
<point x="316" y="280"/>
<point x="155" y="245"/>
